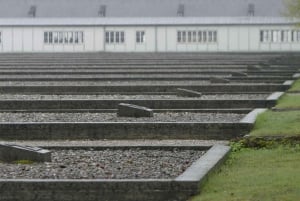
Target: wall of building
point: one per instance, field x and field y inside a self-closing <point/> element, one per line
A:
<point x="233" y="38"/>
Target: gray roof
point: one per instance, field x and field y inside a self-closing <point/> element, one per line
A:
<point x="146" y="21"/>
<point x="139" y="8"/>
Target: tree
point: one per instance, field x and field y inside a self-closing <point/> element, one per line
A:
<point x="293" y="8"/>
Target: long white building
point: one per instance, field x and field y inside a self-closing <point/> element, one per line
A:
<point x="184" y="30"/>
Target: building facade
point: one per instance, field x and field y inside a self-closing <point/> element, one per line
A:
<point x="115" y="26"/>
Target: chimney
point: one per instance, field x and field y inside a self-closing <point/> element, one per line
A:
<point x="32" y="11"/>
<point x="180" y="10"/>
<point x="251" y="9"/>
<point x="102" y="11"/>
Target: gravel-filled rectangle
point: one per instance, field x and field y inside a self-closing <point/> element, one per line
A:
<point x="112" y="117"/>
<point x="131" y="163"/>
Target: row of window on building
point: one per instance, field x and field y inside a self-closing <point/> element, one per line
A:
<point x="63" y="37"/>
<point x="197" y="36"/>
<point x="278" y="36"/>
<point x="118" y="37"/>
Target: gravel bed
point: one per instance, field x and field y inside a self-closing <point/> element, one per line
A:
<point x="117" y="96"/>
<point x="112" y="117"/>
<point x="106" y="164"/>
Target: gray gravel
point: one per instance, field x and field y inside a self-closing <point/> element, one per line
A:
<point x="107" y="164"/>
<point x="112" y="117"/>
<point x="117" y="96"/>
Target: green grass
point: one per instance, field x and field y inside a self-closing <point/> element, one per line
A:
<point x="256" y="175"/>
<point x="277" y="124"/>
<point x="296" y="86"/>
<point x="289" y="101"/>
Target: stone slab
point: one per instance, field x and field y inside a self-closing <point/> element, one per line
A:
<point x="188" y="93"/>
<point x="130" y="110"/>
<point x="13" y="152"/>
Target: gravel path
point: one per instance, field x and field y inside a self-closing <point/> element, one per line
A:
<point x="107" y="164"/>
<point x="112" y="117"/>
<point x="130" y="97"/>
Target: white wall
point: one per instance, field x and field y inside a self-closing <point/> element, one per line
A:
<point x="157" y="38"/>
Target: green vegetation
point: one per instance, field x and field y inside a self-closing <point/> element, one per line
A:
<point x="256" y="174"/>
<point x="296" y="86"/>
<point x="293" y="8"/>
<point x="277" y="124"/>
<point x="264" y="166"/>
<point x="290" y="101"/>
<point x="23" y="162"/>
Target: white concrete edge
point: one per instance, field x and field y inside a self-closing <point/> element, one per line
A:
<point x="275" y="96"/>
<point x="288" y="83"/>
<point x="251" y="117"/>
<point x="296" y="75"/>
<point x="203" y="166"/>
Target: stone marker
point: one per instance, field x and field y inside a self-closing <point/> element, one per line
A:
<point x="253" y="68"/>
<point x="264" y="64"/>
<point x="13" y="152"/>
<point x="218" y="80"/>
<point x="129" y="110"/>
<point x="188" y="93"/>
<point x="238" y="74"/>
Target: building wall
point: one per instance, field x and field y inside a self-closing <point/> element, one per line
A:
<point x="235" y="38"/>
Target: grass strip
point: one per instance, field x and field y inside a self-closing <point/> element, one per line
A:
<point x="296" y="86"/>
<point x="277" y="124"/>
<point x="289" y="101"/>
<point x="256" y="174"/>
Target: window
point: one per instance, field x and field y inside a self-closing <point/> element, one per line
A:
<point x="279" y="36"/>
<point x="199" y="36"/>
<point x="63" y="37"/>
<point x="140" y="36"/>
<point x="179" y="36"/>
<point x="215" y="36"/>
<point x="114" y="37"/>
<point x="184" y="36"/>
<point x="46" y="38"/>
<point x="194" y="38"/>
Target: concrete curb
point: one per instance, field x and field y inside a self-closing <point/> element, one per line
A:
<point x="178" y="189"/>
<point x="153" y="104"/>
<point x="122" y="130"/>
<point x="150" y="88"/>
<point x="251" y="117"/>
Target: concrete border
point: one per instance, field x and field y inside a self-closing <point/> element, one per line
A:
<point x="122" y="130"/>
<point x="178" y="189"/>
<point x="182" y="103"/>
<point x="150" y="88"/>
<point x="251" y="117"/>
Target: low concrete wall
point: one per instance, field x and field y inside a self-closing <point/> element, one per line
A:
<point x="113" y="104"/>
<point x="142" y="88"/>
<point x="123" y="130"/>
<point x="178" y="189"/>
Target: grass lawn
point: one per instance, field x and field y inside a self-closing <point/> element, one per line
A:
<point x="256" y="175"/>
<point x="296" y="86"/>
<point x="277" y="124"/>
<point x="289" y="101"/>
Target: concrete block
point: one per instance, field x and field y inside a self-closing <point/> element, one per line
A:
<point x="238" y="74"/>
<point x="253" y="68"/>
<point x="218" y="80"/>
<point x="130" y="110"/>
<point x="12" y="152"/>
<point x="188" y="93"/>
